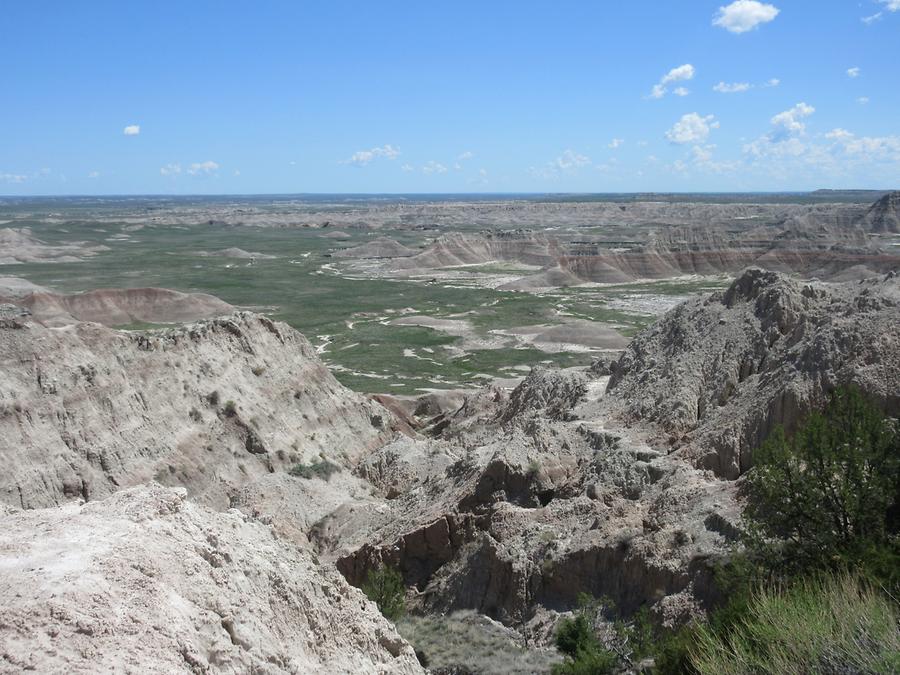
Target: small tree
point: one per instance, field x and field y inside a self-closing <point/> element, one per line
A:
<point x="827" y="496"/>
<point x="384" y="586"/>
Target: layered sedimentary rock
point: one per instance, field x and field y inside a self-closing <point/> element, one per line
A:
<point x="717" y="375"/>
<point x="381" y="247"/>
<point x="213" y="406"/>
<point x="122" y="306"/>
<point x="19" y="245"/>
<point x="883" y="217"/>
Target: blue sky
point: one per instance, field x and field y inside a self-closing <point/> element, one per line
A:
<point x="281" y="97"/>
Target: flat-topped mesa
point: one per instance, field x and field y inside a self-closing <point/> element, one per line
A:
<point x="716" y="375"/>
<point x="213" y="406"/>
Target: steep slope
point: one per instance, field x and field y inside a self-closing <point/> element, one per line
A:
<point x="717" y="375"/>
<point x="213" y="406"/>
<point x="146" y="581"/>
<point x="883" y="217"/>
<point x="380" y="247"/>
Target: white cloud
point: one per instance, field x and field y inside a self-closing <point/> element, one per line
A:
<point x="732" y="88"/>
<point x="482" y="173"/>
<point x="853" y="72"/>
<point x="838" y="134"/>
<point x="615" y="143"/>
<point x="862" y="100"/>
<point x="774" y="82"/>
<point x="681" y="91"/>
<point x="434" y="167"/>
<point x="363" y="157"/>
<point x="568" y="162"/>
<point x="789" y="121"/>
<point x="13" y="177"/>
<point x="407" y="168"/>
<point x="94" y="174"/>
<point x="681" y="73"/>
<point x="691" y="128"/>
<point x="571" y="160"/>
<point x="744" y="15"/>
<point x="203" y="168"/>
<point x="466" y="155"/>
<point x="132" y="130"/>
<point x="872" y="18"/>
<point x="891" y="5"/>
<point x="170" y="170"/>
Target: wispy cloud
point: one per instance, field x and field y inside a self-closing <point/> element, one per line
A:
<point x="615" y="143"/>
<point x="13" y="177"/>
<point x="732" y="88"/>
<point x="681" y="73"/>
<point x="568" y="162"/>
<point x="862" y="100"/>
<point x="132" y="130"/>
<point x="465" y="155"/>
<point x="363" y="157"/>
<point x="203" y="168"/>
<point x="94" y="174"/>
<point x="853" y="72"/>
<point x="170" y="170"/>
<point x="434" y="167"/>
<point x="742" y="16"/>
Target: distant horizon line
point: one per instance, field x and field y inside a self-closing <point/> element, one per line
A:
<point x="441" y="194"/>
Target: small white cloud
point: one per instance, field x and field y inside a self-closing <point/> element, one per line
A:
<point x="681" y="91"/>
<point x="363" y="157"/>
<point x="774" y="82"/>
<point x="891" y="5"/>
<point x="170" y="170"/>
<point x="571" y="160"/>
<point x="482" y="173"/>
<point x="862" y="100"/>
<point x="94" y="174"/>
<point x="615" y="143"/>
<point x="681" y="73"/>
<point x="691" y="128"/>
<point x="407" y="167"/>
<point x="642" y="144"/>
<point x="853" y="72"/>
<point x="742" y="16"/>
<point x="789" y="121"/>
<point x="13" y="177"/>
<point x="872" y="18"/>
<point x="132" y="130"/>
<point x="732" y="88"/>
<point x="434" y="167"/>
<point x="838" y="134"/>
<point x="203" y="168"/>
<point x="466" y="155"/>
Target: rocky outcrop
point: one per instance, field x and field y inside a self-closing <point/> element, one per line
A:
<point x="717" y="375"/>
<point x="146" y="581"/>
<point x="122" y="306"/>
<point x="212" y="406"/>
<point x="883" y="217"/>
<point x="380" y="247"/>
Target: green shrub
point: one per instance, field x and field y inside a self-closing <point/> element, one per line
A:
<point x="230" y="408"/>
<point x="384" y="586"/>
<point x="827" y="497"/>
<point x="576" y="639"/>
<point x="829" y="624"/>
<point x="321" y="469"/>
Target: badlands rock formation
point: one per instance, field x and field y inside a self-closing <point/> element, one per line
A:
<point x="86" y="410"/>
<point x="718" y="374"/>
<point x="19" y="245"/>
<point x="120" y="307"/>
<point x="613" y="480"/>
<point x="883" y="217"/>
<point x="147" y="582"/>
<point x="381" y="247"/>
